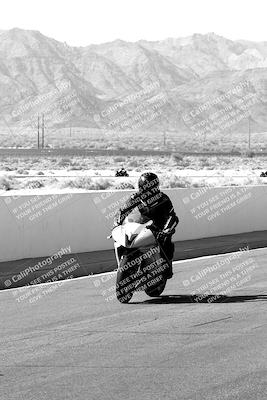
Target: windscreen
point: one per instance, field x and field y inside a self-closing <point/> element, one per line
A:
<point x="135" y="216"/>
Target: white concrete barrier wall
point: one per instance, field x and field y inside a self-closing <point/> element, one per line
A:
<point x="39" y="224"/>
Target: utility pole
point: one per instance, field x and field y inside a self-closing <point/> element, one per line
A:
<point x="38" y="133"/>
<point x="43" y="131"/>
<point x="204" y="139"/>
<point x="249" y="132"/>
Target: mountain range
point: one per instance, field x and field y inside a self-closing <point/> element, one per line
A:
<point x="115" y="85"/>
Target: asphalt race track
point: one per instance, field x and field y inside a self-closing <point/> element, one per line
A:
<point x="75" y="341"/>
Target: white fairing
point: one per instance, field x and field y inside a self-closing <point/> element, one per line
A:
<point x="133" y="235"/>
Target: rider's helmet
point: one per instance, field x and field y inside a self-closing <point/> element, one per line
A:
<point x="147" y="181"/>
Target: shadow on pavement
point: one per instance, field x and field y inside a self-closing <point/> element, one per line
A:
<point x="200" y="298"/>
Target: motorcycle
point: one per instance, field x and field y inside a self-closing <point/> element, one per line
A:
<point x="121" y="172"/>
<point x="140" y="263"/>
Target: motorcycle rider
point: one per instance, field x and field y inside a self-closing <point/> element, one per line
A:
<point x="156" y="206"/>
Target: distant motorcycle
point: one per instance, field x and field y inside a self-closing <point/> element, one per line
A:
<point x="121" y="172"/>
<point x="140" y="264"/>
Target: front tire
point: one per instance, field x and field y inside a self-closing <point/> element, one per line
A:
<point x="156" y="292"/>
<point x="124" y="291"/>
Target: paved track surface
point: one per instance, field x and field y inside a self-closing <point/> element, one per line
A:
<point x="72" y="343"/>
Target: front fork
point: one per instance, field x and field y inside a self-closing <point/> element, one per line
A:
<point x="117" y="253"/>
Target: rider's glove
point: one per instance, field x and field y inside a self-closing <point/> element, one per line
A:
<point x="153" y="228"/>
<point x="160" y="235"/>
<point x="169" y="231"/>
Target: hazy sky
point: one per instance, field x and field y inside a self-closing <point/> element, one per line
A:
<point x="81" y="22"/>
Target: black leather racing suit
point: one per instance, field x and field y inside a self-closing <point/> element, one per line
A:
<point x="156" y="206"/>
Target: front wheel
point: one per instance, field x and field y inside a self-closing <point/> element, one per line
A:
<point x="125" y="284"/>
<point x="156" y="292"/>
